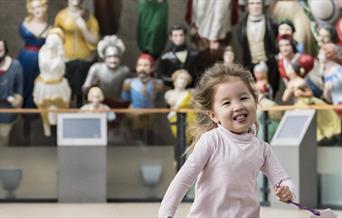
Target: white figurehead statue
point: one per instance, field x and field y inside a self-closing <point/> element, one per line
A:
<point x="51" y="90"/>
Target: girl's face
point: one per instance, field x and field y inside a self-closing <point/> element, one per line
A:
<point x="285" y="47"/>
<point x="233" y="106"/>
<point x="37" y="9"/>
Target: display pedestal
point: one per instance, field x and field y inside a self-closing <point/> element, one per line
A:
<point x="82" y="157"/>
<point x="295" y="146"/>
<point x="82" y="174"/>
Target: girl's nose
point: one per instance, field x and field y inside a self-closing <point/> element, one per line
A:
<point x="237" y="106"/>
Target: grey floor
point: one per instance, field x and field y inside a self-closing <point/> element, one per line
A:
<point x="119" y="210"/>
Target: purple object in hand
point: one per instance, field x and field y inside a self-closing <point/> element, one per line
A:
<point x="313" y="211"/>
<point x="327" y="213"/>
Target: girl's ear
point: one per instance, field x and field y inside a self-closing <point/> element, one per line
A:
<point x="212" y="116"/>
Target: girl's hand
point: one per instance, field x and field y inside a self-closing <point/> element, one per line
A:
<point x="283" y="193"/>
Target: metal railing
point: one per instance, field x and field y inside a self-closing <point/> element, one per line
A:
<point x="181" y="144"/>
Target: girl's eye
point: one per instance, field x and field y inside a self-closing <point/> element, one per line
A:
<point x="244" y="98"/>
<point x="226" y="103"/>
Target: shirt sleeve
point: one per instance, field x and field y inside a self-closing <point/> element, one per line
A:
<point x="186" y="177"/>
<point x="274" y="171"/>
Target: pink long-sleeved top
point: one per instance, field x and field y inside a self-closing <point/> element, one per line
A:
<point x="226" y="166"/>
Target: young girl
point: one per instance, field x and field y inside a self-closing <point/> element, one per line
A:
<point x="226" y="154"/>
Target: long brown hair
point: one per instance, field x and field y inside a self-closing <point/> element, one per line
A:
<point x="204" y="93"/>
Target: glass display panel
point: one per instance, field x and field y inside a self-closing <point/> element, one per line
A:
<point x="292" y="127"/>
<point x="82" y="128"/>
